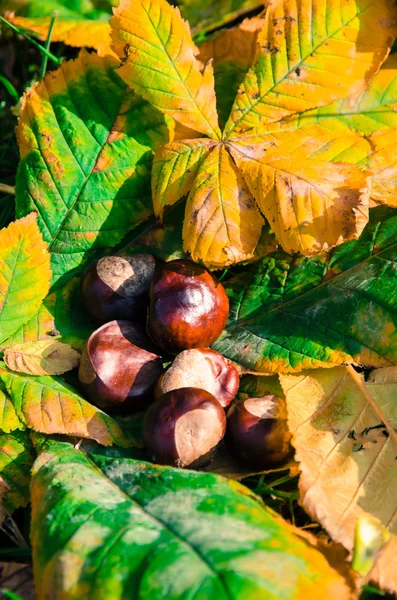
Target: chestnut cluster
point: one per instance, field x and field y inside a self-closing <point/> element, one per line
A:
<point x="144" y="308"/>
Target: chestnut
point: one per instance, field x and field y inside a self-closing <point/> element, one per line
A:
<point x="117" y="287"/>
<point x="201" y="368"/>
<point x="119" y="367"/>
<point x="188" y="306"/>
<point x="257" y="431"/>
<point x="183" y="428"/>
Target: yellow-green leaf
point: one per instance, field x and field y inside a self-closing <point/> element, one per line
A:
<point x="24" y="273"/>
<point x="16" y="460"/>
<point x="383" y="165"/>
<point x="346" y="443"/>
<point x="310" y="203"/>
<point x="222" y="223"/>
<point x="159" y="62"/>
<point x="311" y="53"/>
<point x="43" y="357"/>
<point x="9" y="420"/>
<point x="175" y="167"/>
<point x="78" y="33"/>
<point x="49" y="405"/>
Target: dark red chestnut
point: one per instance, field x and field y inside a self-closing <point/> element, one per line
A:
<point x="201" y="368"/>
<point x="117" y="287"/>
<point x="257" y="431"/>
<point x="183" y="428"/>
<point x="188" y="307"/>
<point x="119" y="367"/>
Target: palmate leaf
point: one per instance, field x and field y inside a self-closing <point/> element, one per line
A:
<point x="42" y="357"/>
<point x="16" y="460"/>
<point x="60" y="315"/>
<point x="49" y="405"/>
<point x="24" y="273"/>
<point x="207" y="15"/>
<point x="114" y="527"/>
<point x="346" y="443"/>
<point x="9" y="420"/>
<point x="309" y="56"/>
<point x="86" y="151"/>
<point x="293" y="313"/>
<point x="159" y="62"/>
<point x="383" y="165"/>
<point x="373" y="110"/>
<point x="73" y="32"/>
<point x="311" y="205"/>
<point x="222" y="223"/>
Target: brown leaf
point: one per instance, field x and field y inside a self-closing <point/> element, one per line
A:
<point x="42" y="357"/>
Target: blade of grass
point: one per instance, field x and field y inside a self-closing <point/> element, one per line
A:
<point x="7" y="189"/>
<point x="44" y="60"/>
<point x="10" y="88"/>
<point x="32" y="41"/>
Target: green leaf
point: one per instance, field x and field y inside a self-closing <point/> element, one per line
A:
<point x="9" y="420"/>
<point x="16" y="460"/>
<point x="24" y="274"/>
<point x="86" y="147"/>
<point x="290" y="313"/>
<point x="78" y="9"/>
<point x="207" y="15"/>
<point x="60" y="315"/>
<point x="118" y="528"/>
<point x="49" y="405"/>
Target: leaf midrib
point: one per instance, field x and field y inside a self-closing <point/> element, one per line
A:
<point x="269" y="91"/>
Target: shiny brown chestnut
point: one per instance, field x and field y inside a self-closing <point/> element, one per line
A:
<point x="188" y="306"/>
<point x="201" y="368"/>
<point x="257" y="431"/>
<point x="119" y="367"/>
<point x="183" y="428"/>
<point x="116" y="287"/>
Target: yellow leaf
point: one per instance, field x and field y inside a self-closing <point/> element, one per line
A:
<point x="77" y="33"/>
<point x="311" y="204"/>
<point x="174" y="170"/>
<point x="159" y="62"/>
<point x="311" y="53"/>
<point x="24" y="273"/>
<point x="42" y="357"/>
<point x="383" y="165"/>
<point x="346" y="442"/>
<point x="222" y="224"/>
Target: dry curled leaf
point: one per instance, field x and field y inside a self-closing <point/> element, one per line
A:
<point x="345" y="436"/>
<point x="42" y="357"/>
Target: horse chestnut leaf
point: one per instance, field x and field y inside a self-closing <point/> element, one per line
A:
<point x="183" y="428"/>
<point x="114" y="287"/>
<point x="119" y="367"/>
<point x="188" y="307"/>
<point x="257" y="431"/>
<point x="201" y="368"/>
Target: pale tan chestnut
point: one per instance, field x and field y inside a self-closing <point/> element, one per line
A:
<point x="201" y="368"/>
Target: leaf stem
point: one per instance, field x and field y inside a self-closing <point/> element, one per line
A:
<point x="47" y="44"/>
<point x="32" y="41"/>
<point x="7" y="189"/>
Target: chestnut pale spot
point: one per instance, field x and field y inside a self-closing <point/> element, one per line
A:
<point x="128" y="276"/>
<point x="196" y="434"/>
<point x="264" y="408"/>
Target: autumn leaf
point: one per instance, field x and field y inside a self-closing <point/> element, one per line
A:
<point x="233" y="51"/>
<point x="159" y="62"/>
<point x="293" y="313"/>
<point x="24" y="273"/>
<point x="196" y="531"/>
<point x="312" y="205"/>
<point x="296" y="71"/>
<point x="60" y="315"/>
<point x="175" y="168"/>
<point x="222" y="224"/>
<point x="79" y="9"/>
<point x="9" y="420"/>
<point x="16" y="460"/>
<point x="86" y="151"/>
<point x="42" y="357"/>
<point x="78" y="33"/>
<point x="383" y="166"/>
<point x="49" y="405"/>
<point x="346" y="441"/>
